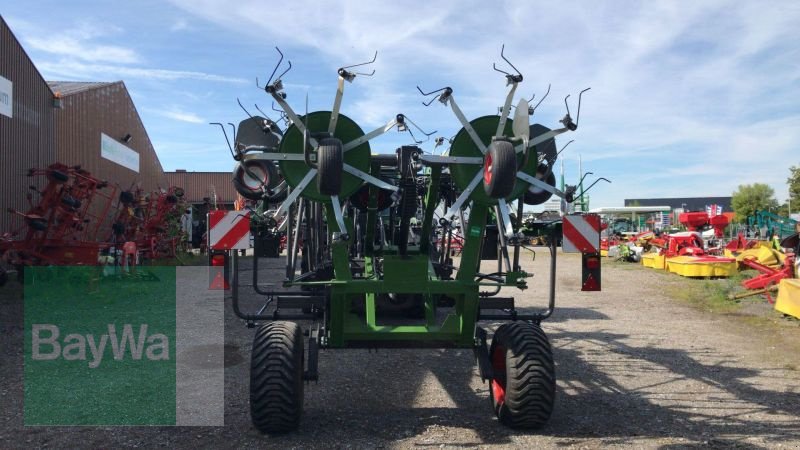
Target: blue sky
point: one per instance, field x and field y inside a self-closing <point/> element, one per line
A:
<point x="687" y="99"/>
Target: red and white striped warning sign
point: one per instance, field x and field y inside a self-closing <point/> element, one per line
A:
<point x="581" y="233"/>
<point x="228" y="230"/>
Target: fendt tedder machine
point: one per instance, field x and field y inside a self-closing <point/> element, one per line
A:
<point x="351" y="216"/>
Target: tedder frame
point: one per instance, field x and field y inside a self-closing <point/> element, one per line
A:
<point x="373" y="234"/>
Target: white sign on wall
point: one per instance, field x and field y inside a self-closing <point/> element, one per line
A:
<point x="115" y="151"/>
<point x="6" y="97"/>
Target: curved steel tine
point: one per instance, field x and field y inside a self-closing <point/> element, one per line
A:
<point x="580" y="183"/>
<point x="276" y="66"/>
<point x="374" y="58"/>
<point x="227" y="141"/>
<point x="262" y="112"/>
<point x="565" y="146"/>
<point x="243" y="108"/>
<point x="595" y="182"/>
<point x="566" y="103"/>
<point x="531" y="111"/>
<point x="578" y="119"/>
<point x="287" y="69"/>
<point x="233" y="130"/>
<point x="431" y="92"/>
<point x="511" y="78"/>
<point x="427" y="135"/>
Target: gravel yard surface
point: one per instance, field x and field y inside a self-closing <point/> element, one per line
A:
<point x="636" y="367"/>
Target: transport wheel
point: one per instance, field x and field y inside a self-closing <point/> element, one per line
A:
<point x="126" y="197"/>
<point x="259" y="174"/>
<point x="276" y="377"/>
<point x="536" y="195"/>
<point x="523" y="389"/>
<point x="37" y="224"/>
<point x="500" y="169"/>
<point x="57" y="176"/>
<point x="329" y="166"/>
<point x="70" y="201"/>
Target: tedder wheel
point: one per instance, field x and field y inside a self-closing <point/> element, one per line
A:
<point x="536" y="195"/>
<point x="70" y="201"/>
<point x="37" y="224"/>
<point x="276" y="377"/>
<point x="259" y="174"/>
<point x="329" y="165"/>
<point x="57" y="176"/>
<point x="524" y="385"/>
<point x="500" y="169"/>
<point x="126" y="197"/>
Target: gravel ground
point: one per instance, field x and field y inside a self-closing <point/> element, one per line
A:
<point x="635" y="367"/>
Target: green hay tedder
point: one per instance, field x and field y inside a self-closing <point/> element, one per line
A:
<point x="369" y="246"/>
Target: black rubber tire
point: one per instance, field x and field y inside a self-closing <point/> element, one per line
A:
<point x="57" y="176"/>
<point x="71" y="201"/>
<point x="523" y="364"/>
<point x="537" y="198"/>
<point x="37" y="224"/>
<point x="330" y="161"/>
<point x="248" y="188"/>
<point x="500" y="171"/>
<point x="118" y="228"/>
<point x="126" y="197"/>
<point x="276" y="377"/>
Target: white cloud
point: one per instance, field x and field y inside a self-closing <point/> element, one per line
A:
<point x="183" y="116"/>
<point x="75" y="69"/>
<point x="179" y="25"/>
<point x="79" y="43"/>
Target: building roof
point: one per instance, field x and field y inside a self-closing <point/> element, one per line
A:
<point x="65" y="88"/>
<point x="198" y="185"/>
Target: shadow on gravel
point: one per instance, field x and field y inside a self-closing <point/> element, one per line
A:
<point x="595" y="405"/>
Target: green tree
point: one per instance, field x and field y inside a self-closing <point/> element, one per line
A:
<point x="794" y="188"/>
<point x="751" y="197"/>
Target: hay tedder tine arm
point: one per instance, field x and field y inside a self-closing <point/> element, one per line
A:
<point x="293" y="117"/>
<point x="368" y="178"/>
<point x="541" y="138"/>
<point x="467" y="126"/>
<point x="369" y="136"/>
<point x="506" y="110"/>
<point x="337" y="103"/>
<point x="295" y="193"/>
<point x="502" y="208"/>
<point x="540" y="184"/>
<point x="456" y="206"/>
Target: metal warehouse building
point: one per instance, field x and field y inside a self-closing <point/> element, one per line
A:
<point x="94" y="125"/>
<point x="215" y="188"/>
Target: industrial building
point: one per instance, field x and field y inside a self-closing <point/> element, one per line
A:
<point x="204" y="188"/>
<point x="94" y="125"/>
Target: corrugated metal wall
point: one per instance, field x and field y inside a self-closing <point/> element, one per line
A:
<point x="204" y="184"/>
<point x="27" y="139"/>
<point x="109" y="110"/>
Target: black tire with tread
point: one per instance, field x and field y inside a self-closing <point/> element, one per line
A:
<point x="503" y="169"/>
<point x="57" y="176"/>
<point x="330" y="162"/>
<point x="126" y="197"/>
<point x="266" y="167"/>
<point x="529" y="377"/>
<point x="537" y="198"/>
<point x="276" y="377"/>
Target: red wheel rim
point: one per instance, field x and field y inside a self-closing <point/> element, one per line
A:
<point x="487" y="169"/>
<point x="498" y="384"/>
